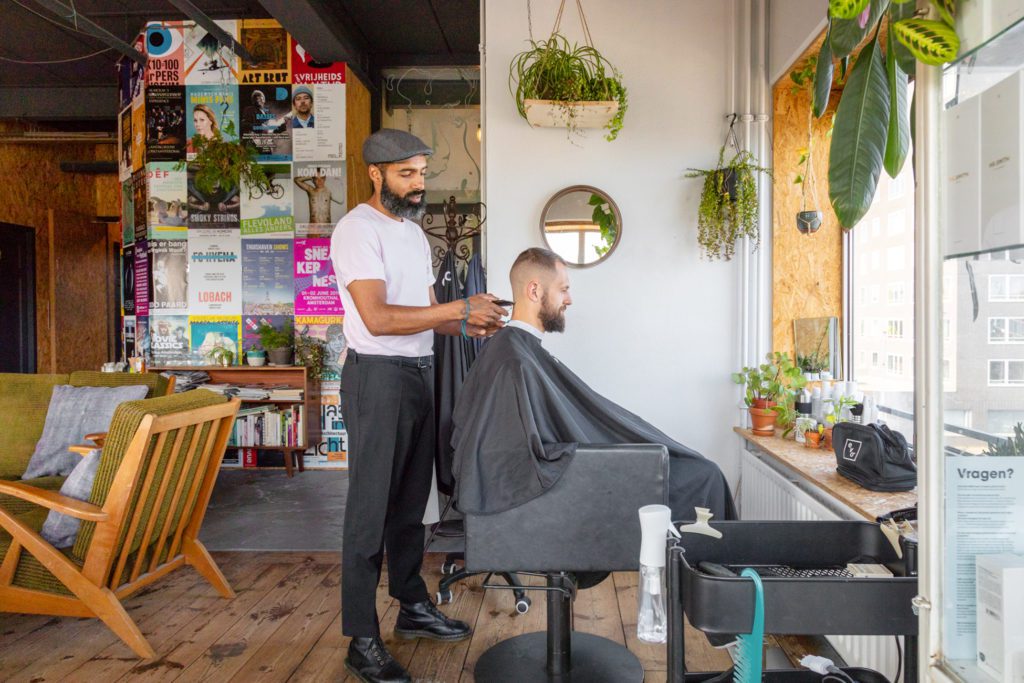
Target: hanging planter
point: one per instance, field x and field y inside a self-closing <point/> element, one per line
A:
<point x="808" y="220"/>
<point x="570" y="115"/>
<point x="729" y="205"/>
<point x="558" y="85"/>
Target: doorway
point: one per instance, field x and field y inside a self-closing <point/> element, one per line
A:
<point x="17" y="298"/>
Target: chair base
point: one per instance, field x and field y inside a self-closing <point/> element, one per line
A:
<point x="523" y="659"/>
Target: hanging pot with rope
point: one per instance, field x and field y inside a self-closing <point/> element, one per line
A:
<point x="561" y="85"/>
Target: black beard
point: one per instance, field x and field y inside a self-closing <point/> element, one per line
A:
<point x="552" y="320"/>
<point x="401" y="206"/>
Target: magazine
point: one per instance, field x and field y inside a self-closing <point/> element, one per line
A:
<point x="165" y="49"/>
<point x="127" y="213"/>
<point x="318" y="122"/>
<point x="210" y="110"/>
<point x="220" y="208"/>
<point x="307" y="71"/>
<point x="251" y="325"/>
<point x="128" y="338"/>
<point x="169" y="339"/>
<point x="209" y="332"/>
<point x="316" y="287"/>
<point x="206" y="60"/>
<point x="165" y="123"/>
<point x="124" y="144"/>
<point x="141" y="270"/>
<point x="268" y="44"/>
<point x="139" y="203"/>
<point x="266" y="114"/>
<point x="214" y="272"/>
<point x="320" y="196"/>
<point x="167" y="201"/>
<point x="330" y="330"/>
<point x="128" y="280"/>
<point x="138" y="134"/>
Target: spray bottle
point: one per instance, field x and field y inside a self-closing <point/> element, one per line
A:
<point x="655" y="525"/>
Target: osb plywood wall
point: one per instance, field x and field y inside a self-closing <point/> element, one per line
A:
<point x="806" y="269"/>
<point x="72" y="255"/>
<point x="357" y="129"/>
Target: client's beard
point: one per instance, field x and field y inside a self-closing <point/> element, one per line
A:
<point x="401" y="206"/>
<point x="551" y="319"/>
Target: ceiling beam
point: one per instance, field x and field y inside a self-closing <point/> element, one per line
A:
<point x="81" y="23"/>
<point x="320" y="34"/>
<point x="222" y="36"/>
<point x="71" y="102"/>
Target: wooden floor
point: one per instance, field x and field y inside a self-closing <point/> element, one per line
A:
<point x="284" y="625"/>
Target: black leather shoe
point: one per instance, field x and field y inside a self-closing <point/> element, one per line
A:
<point x="424" y="620"/>
<point x="371" y="662"/>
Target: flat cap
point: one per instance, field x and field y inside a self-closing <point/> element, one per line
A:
<point x="391" y="144"/>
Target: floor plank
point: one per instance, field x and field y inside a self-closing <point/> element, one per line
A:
<point x="285" y="625"/>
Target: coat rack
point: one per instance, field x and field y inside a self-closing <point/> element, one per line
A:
<point x="461" y="222"/>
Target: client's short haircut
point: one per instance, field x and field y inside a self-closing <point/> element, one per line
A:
<point x="537" y="257"/>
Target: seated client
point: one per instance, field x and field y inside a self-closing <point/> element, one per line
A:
<point x="521" y="413"/>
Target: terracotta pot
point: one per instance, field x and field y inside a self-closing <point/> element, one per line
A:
<point x="762" y="403"/>
<point x="812" y="439"/>
<point x="828" y="437"/>
<point x="763" y="421"/>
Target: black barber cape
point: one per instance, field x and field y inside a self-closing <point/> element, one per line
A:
<point x="520" y="417"/>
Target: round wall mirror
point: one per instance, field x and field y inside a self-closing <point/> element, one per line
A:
<point x="581" y="224"/>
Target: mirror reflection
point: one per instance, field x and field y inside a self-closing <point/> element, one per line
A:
<point x="581" y="224"/>
<point x="816" y="345"/>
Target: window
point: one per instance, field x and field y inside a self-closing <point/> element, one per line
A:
<point x="897" y="187"/>
<point x="894" y="363"/>
<point x="895" y="258"/>
<point x="1006" y="330"/>
<point x="876" y="260"/>
<point x="876" y="227"/>
<point x="894" y="329"/>
<point x="945" y="369"/>
<point x="874" y="359"/>
<point x="957" y="418"/>
<point x="1006" y="287"/>
<point x="1004" y="373"/>
<point x="896" y="223"/>
<point x="874" y="294"/>
<point x="895" y="293"/>
<point x="1001" y="422"/>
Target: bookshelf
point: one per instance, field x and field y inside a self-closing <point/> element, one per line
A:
<point x="295" y="376"/>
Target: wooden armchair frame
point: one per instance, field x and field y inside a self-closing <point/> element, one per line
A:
<point x="114" y="566"/>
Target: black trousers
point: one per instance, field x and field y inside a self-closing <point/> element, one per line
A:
<point x="388" y="406"/>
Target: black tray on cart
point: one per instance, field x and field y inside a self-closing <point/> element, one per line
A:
<point x="820" y="605"/>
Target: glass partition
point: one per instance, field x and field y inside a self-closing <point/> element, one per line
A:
<point x="980" y="183"/>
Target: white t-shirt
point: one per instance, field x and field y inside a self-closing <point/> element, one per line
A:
<point x="367" y="245"/>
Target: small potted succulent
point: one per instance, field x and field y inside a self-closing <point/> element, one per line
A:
<point x="219" y="355"/>
<point x="770" y="390"/>
<point x="256" y="356"/>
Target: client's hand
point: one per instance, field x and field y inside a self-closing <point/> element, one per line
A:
<point x="483" y="312"/>
<point x="482" y="332"/>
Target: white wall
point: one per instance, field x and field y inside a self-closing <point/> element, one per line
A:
<point x="653" y="327"/>
<point x="793" y="25"/>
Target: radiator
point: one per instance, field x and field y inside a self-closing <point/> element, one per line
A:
<point x="765" y="493"/>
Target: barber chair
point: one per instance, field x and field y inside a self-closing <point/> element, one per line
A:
<point x="583" y="526"/>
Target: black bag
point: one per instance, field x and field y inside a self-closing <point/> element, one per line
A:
<point x="874" y="457"/>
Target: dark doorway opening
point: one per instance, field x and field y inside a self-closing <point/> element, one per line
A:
<point x="17" y="298"/>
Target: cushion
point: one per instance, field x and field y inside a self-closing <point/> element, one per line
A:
<point x="73" y="413"/>
<point x="60" y="529"/>
<point x="23" y="402"/>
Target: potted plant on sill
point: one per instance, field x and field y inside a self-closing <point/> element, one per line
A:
<point x="770" y="391"/>
<point x="279" y="343"/>
<point x="556" y="84"/>
<point x="729" y="205"/>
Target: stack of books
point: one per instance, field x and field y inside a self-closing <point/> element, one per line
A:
<point x="285" y="394"/>
<point x="268" y="426"/>
<point x="244" y="393"/>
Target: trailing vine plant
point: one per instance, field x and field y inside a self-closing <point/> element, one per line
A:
<point x="222" y="164"/>
<point x="729" y="204"/>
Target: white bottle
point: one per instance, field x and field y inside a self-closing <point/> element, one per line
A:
<point x="652" y="620"/>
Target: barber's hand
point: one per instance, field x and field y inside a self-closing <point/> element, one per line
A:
<point x="482" y="332"/>
<point x="483" y="312"/>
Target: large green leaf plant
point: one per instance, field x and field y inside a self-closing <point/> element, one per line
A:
<point x="871" y="131"/>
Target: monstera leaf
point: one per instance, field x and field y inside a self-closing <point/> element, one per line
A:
<point x="846" y="34"/>
<point x="846" y="9"/>
<point x="859" y="137"/>
<point x="931" y="42"/>
<point x="822" y="80"/>
<point x="897" y="142"/>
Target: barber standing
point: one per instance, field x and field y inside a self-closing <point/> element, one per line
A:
<point x="382" y="260"/>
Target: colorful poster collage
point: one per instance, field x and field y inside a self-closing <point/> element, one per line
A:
<point x="204" y="269"/>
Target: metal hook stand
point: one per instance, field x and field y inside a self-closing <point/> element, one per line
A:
<point x="461" y="222"/>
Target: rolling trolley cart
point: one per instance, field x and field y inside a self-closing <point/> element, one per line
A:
<point x="807" y="589"/>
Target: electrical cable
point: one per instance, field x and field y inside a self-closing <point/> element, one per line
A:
<point x="74" y="28"/>
<point x="55" y="61"/>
